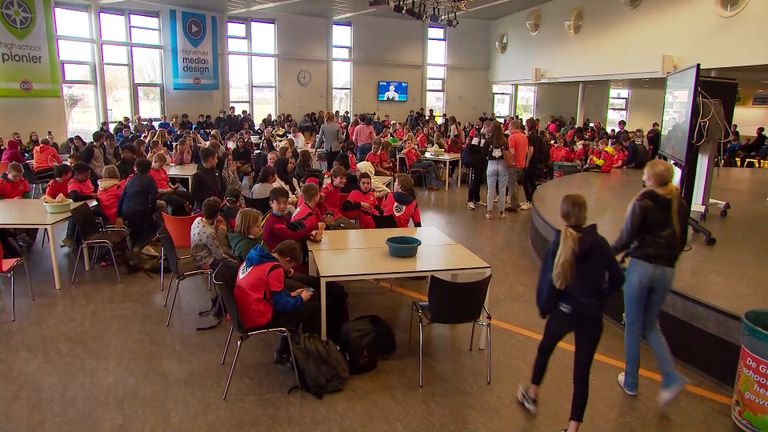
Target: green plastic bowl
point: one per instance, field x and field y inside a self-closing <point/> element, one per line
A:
<point x="403" y="246"/>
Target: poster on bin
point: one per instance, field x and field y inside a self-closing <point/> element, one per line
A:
<point x="750" y="394"/>
<point x="194" y="51"/>
<point x="28" y="63"/>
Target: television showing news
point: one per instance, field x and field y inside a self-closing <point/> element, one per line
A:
<point x="679" y="101"/>
<point x="393" y="91"/>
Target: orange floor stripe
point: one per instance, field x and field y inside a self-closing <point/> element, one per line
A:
<point x="716" y="397"/>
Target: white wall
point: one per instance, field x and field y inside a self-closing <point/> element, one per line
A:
<point x="646" y="105"/>
<point x="559" y="99"/>
<point x="596" y="101"/>
<point x="468" y="90"/>
<point x="617" y="41"/>
<point x="749" y="118"/>
<point x="23" y="115"/>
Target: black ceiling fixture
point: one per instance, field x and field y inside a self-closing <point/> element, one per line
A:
<point x="444" y="12"/>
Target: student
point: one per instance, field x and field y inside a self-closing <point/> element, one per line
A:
<point x="109" y="193"/>
<point x="267" y="177"/>
<point x="13" y="185"/>
<point x="308" y="216"/>
<point x="378" y="158"/>
<point x="241" y="154"/>
<point x="45" y="158"/>
<point x="265" y="298"/>
<point x="206" y="234"/>
<point x="80" y="186"/>
<point x="497" y="174"/>
<point x="138" y="203"/>
<point x="94" y="154"/>
<point x="304" y="165"/>
<point x="127" y="160"/>
<point x="207" y="181"/>
<point x="402" y="203"/>
<point x="12" y="151"/>
<point x="276" y="225"/>
<point x="637" y="155"/>
<point x="654" y="234"/>
<point x="183" y="152"/>
<point x="272" y="158"/>
<point x="361" y="203"/>
<point x="378" y="187"/>
<point x="285" y="179"/>
<point x="229" y="172"/>
<point x="231" y="206"/>
<point x="247" y="233"/>
<point x="59" y="185"/>
<point x="604" y="162"/>
<point x="571" y="294"/>
<point x="331" y="194"/>
<point x="176" y="199"/>
<point x="412" y="155"/>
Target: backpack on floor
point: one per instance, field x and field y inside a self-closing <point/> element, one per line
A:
<point x="386" y="344"/>
<point x="365" y="340"/>
<point x="322" y="369"/>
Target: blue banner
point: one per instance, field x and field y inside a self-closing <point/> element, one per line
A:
<point x="194" y="49"/>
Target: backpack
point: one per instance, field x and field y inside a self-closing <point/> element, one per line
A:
<point x="385" y="341"/>
<point x="364" y="340"/>
<point x="321" y="367"/>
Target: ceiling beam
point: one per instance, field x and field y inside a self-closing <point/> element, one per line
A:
<point x="262" y="6"/>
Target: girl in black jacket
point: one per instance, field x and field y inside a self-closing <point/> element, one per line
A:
<point x="572" y="291"/>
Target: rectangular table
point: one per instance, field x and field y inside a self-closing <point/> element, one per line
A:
<point x="335" y="263"/>
<point x="182" y="171"/>
<point x="31" y="213"/>
<point x="447" y="158"/>
<point x="385" y="180"/>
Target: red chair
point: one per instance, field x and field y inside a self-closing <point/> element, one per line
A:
<point x="7" y="268"/>
<point x="3" y="167"/>
<point x="179" y="229"/>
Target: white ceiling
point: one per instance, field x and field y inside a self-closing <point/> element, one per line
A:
<point x="332" y="9"/>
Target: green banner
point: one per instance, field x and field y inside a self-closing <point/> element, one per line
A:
<point x="28" y="63"/>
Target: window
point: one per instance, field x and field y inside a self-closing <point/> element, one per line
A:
<point x="131" y="50"/>
<point x="502" y="101"/>
<point x="436" y="61"/>
<point x="342" y="67"/>
<point x="252" y="65"/>
<point x="526" y="102"/>
<point x="618" y="107"/>
<point x="76" y="51"/>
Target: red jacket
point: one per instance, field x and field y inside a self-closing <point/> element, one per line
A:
<point x="81" y="187"/>
<point x="404" y="208"/>
<point x="108" y="200"/>
<point x="276" y="229"/>
<point x="253" y="303"/>
<point x="55" y="188"/>
<point x="307" y="215"/>
<point x="333" y="199"/>
<point x="45" y="157"/>
<point x="161" y="178"/>
<point x="13" y="189"/>
<point x="356" y="197"/>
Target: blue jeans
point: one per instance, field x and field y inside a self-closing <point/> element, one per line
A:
<point x="497" y="176"/>
<point x="645" y="288"/>
<point x="363" y="150"/>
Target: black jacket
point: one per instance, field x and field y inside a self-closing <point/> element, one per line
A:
<point x="648" y="232"/>
<point x="207" y="182"/>
<point x="86" y="156"/>
<point x="596" y="277"/>
<point x="139" y="196"/>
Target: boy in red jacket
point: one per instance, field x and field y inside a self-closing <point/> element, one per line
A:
<point x="80" y="187"/>
<point x="330" y="196"/>
<point x="401" y="204"/>
<point x="307" y="213"/>
<point x="604" y="162"/>
<point x="361" y="203"/>
<point x="60" y="183"/>
<point x="12" y="183"/>
<point x="276" y="223"/>
<point x="109" y="193"/>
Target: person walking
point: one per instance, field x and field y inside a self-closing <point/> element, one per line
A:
<point x="654" y="235"/>
<point x="496" y="173"/>
<point x="533" y="163"/>
<point x="329" y="138"/>
<point x="473" y="158"/>
<point x="571" y="294"/>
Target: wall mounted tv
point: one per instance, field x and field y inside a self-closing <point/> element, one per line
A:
<point x="392" y="91"/>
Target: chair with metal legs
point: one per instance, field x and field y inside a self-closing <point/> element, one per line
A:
<point x="179" y="228"/>
<point x="453" y="303"/>
<point x="92" y="236"/>
<point x="7" y="268"/>
<point x="181" y="268"/>
<point x="224" y="281"/>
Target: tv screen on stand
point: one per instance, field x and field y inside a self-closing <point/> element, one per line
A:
<point x="679" y="106"/>
<point x="392" y="91"/>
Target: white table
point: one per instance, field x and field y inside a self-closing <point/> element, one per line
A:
<point x="182" y="171"/>
<point x="362" y="255"/>
<point x="385" y="180"/>
<point x="31" y="213"/>
<point x="446" y="158"/>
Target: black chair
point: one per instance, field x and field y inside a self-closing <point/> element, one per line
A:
<point x="260" y="204"/>
<point x="453" y="303"/>
<point x="313" y="173"/>
<point x="413" y="172"/>
<point x="92" y="236"/>
<point x="181" y="269"/>
<point x="224" y="280"/>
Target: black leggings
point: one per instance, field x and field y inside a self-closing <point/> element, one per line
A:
<point x="529" y="182"/>
<point x="176" y="201"/>
<point x="331" y="158"/>
<point x="476" y="181"/>
<point x="587" y="331"/>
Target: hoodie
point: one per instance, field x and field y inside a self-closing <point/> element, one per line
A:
<point x="12" y="152"/>
<point x="596" y="277"/>
<point x="260" y="289"/>
<point x="376" y="185"/>
<point x="403" y="208"/>
<point x="109" y="197"/>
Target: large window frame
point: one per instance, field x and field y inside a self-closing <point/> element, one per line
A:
<point x="436" y="70"/>
<point x="525" y="101"/>
<point x="618" y="107"/>
<point x="341" y="60"/>
<point x="502" y="100"/>
<point x="260" y="95"/>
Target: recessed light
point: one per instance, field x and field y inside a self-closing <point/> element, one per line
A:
<point x="760" y="90"/>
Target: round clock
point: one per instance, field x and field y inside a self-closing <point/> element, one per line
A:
<point x="304" y="77"/>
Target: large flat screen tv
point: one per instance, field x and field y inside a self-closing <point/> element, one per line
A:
<point x="679" y="107"/>
<point x="392" y="91"/>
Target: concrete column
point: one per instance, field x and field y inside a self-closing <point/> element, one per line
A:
<point x="580" y="104"/>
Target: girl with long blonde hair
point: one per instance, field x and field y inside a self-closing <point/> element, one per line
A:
<point x="654" y="235"/>
<point x="578" y="274"/>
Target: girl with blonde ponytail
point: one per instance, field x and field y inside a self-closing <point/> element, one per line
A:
<point x="654" y="235"/>
<point x="571" y="292"/>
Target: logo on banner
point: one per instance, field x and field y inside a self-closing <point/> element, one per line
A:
<point x="18" y="17"/>
<point x="194" y="27"/>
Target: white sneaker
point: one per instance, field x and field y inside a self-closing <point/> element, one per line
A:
<point x="668" y="395"/>
<point x="620" y="380"/>
<point x="471" y="205"/>
<point x="525" y="206"/>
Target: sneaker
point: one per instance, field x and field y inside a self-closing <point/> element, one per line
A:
<point x="471" y="205"/>
<point x="488" y="215"/>
<point x="620" y="380"/>
<point x="502" y="215"/>
<point x="668" y="395"/>
<point x="525" y="206"/>
<point x="149" y="251"/>
<point x="526" y="400"/>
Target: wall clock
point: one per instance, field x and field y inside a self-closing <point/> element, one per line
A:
<point x="304" y="77"/>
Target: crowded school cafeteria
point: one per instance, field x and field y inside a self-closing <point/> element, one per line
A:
<point x="439" y="215"/>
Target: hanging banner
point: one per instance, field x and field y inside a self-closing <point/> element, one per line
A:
<point x="194" y="48"/>
<point x="28" y="63"/>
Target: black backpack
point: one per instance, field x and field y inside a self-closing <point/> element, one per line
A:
<point x="322" y="369"/>
<point x="386" y="344"/>
<point x="364" y="340"/>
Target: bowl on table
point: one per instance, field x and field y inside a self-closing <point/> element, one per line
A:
<point x="437" y="151"/>
<point x="403" y="246"/>
<point x="58" y="207"/>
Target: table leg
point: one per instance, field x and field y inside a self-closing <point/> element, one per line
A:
<point x="484" y="330"/>
<point x="312" y="264"/>
<point x="190" y="185"/>
<point x="54" y="260"/>
<point x="87" y="258"/>
<point x="323" y="318"/>
<point x="458" y="182"/>
<point x="447" y="169"/>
